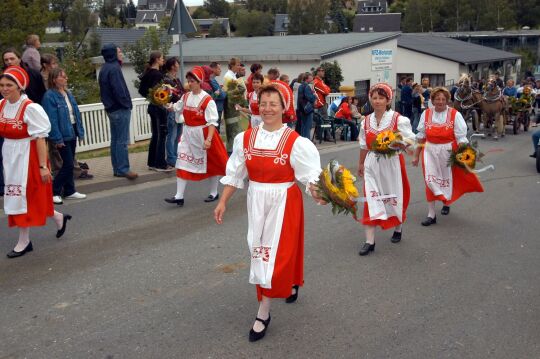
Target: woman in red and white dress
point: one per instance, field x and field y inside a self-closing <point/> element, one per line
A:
<point x="201" y="153"/>
<point x="386" y="186"/>
<point x="442" y="129"/>
<point x="24" y="126"/>
<point x="272" y="156"/>
<point x="253" y="100"/>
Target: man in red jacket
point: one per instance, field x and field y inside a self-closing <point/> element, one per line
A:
<point x="321" y="90"/>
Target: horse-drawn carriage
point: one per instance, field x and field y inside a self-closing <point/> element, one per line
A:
<point x="518" y="112"/>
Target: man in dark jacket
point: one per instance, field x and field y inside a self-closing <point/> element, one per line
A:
<point x="117" y="101"/>
<point x="407" y="98"/>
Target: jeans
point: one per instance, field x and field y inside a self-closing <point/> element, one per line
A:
<point x="1" y="168"/>
<point x="119" y="121"/>
<point x="174" y="131"/>
<point x="306" y="121"/>
<point x="536" y="140"/>
<point x="220" y="117"/>
<point x="407" y="110"/>
<point x="158" y="125"/>
<point x="63" y="182"/>
<point x="415" y="118"/>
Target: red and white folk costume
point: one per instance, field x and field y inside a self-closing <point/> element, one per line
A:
<point x="442" y="132"/>
<point x="256" y="118"/>
<point x="27" y="200"/>
<point x="273" y="161"/>
<point x="384" y="176"/>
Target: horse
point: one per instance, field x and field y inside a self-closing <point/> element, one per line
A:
<point x="492" y="105"/>
<point x="467" y="101"/>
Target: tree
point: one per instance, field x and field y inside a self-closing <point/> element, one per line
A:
<point x="253" y="23"/>
<point x="62" y="9"/>
<point x="332" y="75"/>
<point x="79" y="19"/>
<point x="131" y="10"/>
<point x="271" y="6"/>
<point x="201" y="13"/>
<point x="164" y="23"/>
<point x="216" y="30"/>
<point x="19" y="20"/>
<point x="307" y="16"/>
<point x="139" y="52"/>
<point x="338" y="17"/>
<point x="217" y="8"/>
<point x="82" y="75"/>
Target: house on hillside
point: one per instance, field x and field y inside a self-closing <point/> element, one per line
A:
<point x="163" y="5"/>
<point x="149" y="18"/>
<point x="371" y="7"/>
<point x="372" y="16"/>
<point x="204" y="26"/>
<point x="281" y="24"/>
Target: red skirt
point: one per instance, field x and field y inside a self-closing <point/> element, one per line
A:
<point x="289" y="264"/>
<point x="394" y="220"/>
<point x="216" y="157"/>
<point x="38" y="196"/>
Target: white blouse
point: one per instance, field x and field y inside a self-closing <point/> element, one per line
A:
<point x="460" y="127"/>
<point x="34" y="116"/>
<point x="210" y="114"/>
<point x="404" y="127"/>
<point x="305" y="159"/>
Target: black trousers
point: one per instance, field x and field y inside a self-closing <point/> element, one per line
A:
<point x="158" y="126"/>
<point x="64" y="183"/>
<point x="1" y="168"/>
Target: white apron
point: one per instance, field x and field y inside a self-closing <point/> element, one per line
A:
<point x="438" y="175"/>
<point x="266" y="208"/>
<point x="382" y="177"/>
<point x="16" y="157"/>
<point x="192" y="157"/>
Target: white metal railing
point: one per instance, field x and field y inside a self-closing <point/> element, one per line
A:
<point x="97" y="128"/>
<point x="333" y="96"/>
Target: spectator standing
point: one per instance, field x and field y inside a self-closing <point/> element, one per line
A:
<point x="305" y="105"/>
<point x="117" y="101"/>
<point x="406" y="98"/>
<point x="31" y="56"/>
<point x="253" y="102"/>
<point x="219" y="94"/>
<point x="66" y="127"/>
<point x="399" y="104"/>
<point x="234" y="67"/>
<point x="272" y="74"/>
<point x="174" y="127"/>
<point x="418" y="100"/>
<point x="48" y="62"/>
<point x="255" y="69"/>
<point x="36" y="88"/>
<point x="321" y="91"/>
<point x="426" y="90"/>
<point x="151" y="77"/>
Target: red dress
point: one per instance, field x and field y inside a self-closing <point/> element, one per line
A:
<point x="271" y="176"/>
<point x="450" y="184"/>
<point x="191" y="153"/>
<point x="375" y="187"/>
<point x="253" y="101"/>
<point x="39" y="204"/>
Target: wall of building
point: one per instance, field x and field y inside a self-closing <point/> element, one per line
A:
<point x="416" y="64"/>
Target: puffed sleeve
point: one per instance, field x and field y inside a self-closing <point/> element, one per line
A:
<point x="305" y="161"/>
<point x="421" y="128"/>
<point x="236" y="171"/>
<point x="362" y="134"/>
<point x="37" y="120"/>
<point x="211" y="113"/>
<point x="405" y="128"/>
<point x="460" y="129"/>
<point x="179" y="105"/>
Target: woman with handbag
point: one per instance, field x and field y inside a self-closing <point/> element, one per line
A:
<point x="66" y="128"/>
<point x="306" y="103"/>
<point x="273" y="156"/>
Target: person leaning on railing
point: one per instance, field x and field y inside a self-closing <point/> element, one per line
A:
<point x="66" y="128"/>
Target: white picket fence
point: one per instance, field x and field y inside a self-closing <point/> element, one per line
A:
<point x="97" y="129"/>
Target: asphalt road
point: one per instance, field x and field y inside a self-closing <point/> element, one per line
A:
<point x="135" y="277"/>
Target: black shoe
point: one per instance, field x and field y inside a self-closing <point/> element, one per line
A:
<point x="14" y="254"/>
<point x="253" y="335"/>
<point x="211" y="198"/>
<point x="429" y="221"/>
<point x="396" y="237"/>
<point x="179" y="202"/>
<point x="366" y="248"/>
<point x="445" y="210"/>
<point x="293" y="297"/>
<point x="61" y="231"/>
<point x="533" y="155"/>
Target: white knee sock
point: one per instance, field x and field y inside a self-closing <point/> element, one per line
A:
<point x="24" y="239"/>
<point x="370" y="234"/>
<point x="180" y="188"/>
<point x="398" y="228"/>
<point x="58" y="219"/>
<point x="431" y="209"/>
<point x="213" y="182"/>
<point x="263" y="313"/>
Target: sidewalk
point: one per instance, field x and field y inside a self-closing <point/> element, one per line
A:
<point x="103" y="179"/>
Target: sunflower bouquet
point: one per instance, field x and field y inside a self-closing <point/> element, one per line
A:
<point x="336" y="186"/>
<point x="524" y="103"/>
<point x="465" y="156"/>
<point x="388" y="143"/>
<point x="160" y="95"/>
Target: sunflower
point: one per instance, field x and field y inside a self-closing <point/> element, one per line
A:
<point x="465" y="156"/>
<point x="159" y="95"/>
<point x="384" y="141"/>
<point x="336" y="186"/>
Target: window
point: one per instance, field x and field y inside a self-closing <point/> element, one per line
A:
<point x="361" y="90"/>
<point x="435" y="79"/>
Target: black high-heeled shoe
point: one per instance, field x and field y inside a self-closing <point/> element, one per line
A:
<point x="366" y="248"/>
<point x="28" y="248"/>
<point x="293" y="297"/>
<point x="445" y="210"/>
<point x="396" y="237"/>
<point x="61" y="231"/>
<point x="179" y="202"/>
<point x="253" y="335"/>
<point x="429" y="221"/>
